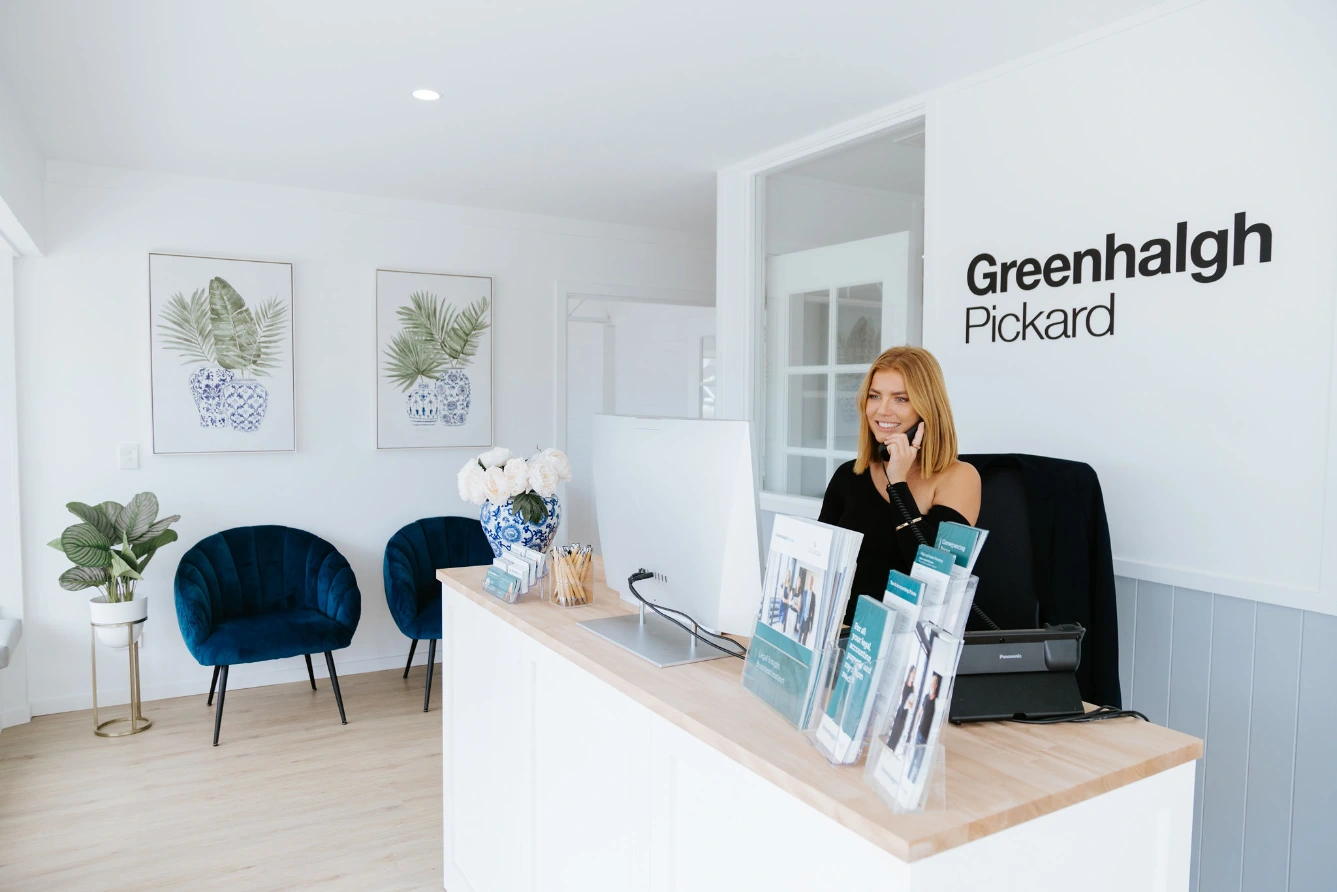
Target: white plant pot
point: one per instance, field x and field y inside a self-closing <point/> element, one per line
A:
<point x="101" y="612"/>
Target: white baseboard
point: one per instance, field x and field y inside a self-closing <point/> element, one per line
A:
<point x="15" y="715"/>
<point x="249" y="675"/>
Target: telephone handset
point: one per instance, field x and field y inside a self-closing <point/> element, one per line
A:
<point x="884" y="453"/>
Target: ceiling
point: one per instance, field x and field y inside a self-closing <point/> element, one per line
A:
<point x="893" y="161"/>
<point x="599" y="109"/>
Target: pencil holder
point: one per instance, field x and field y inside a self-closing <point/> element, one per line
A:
<point x="571" y="576"/>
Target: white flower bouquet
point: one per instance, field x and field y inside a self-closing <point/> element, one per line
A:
<point x="497" y="476"/>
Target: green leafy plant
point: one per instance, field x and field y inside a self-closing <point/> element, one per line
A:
<point x="113" y="544"/>
<point x="217" y="327"/>
<point x="529" y="505"/>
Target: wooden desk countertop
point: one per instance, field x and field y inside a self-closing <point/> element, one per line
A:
<point x="999" y="775"/>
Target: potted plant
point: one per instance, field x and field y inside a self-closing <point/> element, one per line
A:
<point x="110" y="548"/>
<point x="428" y="356"/>
<point x="236" y="345"/>
<point x="518" y="496"/>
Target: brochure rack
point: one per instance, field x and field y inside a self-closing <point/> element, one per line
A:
<point x="840" y="728"/>
<point x="905" y="751"/>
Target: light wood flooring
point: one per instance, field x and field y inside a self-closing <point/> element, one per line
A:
<point x="289" y="799"/>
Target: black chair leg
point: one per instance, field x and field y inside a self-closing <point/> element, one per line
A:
<point x="412" y="648"/>
<point x="334" y="682"/>
<point x="212" y="684"/>
<point x="310" y="673"/>
<point x="431" y="663"/>
<point x="218" y="715"/>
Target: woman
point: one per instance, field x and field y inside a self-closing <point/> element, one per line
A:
<point x="903" y="392"/>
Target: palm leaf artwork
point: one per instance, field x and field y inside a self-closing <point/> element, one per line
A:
<point x="408" y="358"/>
<point x="270" y="321"/>
<point x="433" y="321"/>
<point x="187" y="328"/>
<point x="466" y="330"/>
<point x="236" y="337"/>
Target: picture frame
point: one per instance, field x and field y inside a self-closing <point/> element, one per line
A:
<point x="434" y="360"/>
<point x="222" y="362"/>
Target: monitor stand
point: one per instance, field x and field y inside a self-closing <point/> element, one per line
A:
<point x="655" y="639"/>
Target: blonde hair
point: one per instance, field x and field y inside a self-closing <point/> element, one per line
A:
<point x="927" y="391"/>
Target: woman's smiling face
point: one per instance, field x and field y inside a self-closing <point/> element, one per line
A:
<point x="888" y="408"/>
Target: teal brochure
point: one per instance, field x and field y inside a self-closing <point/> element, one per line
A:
<point x="962" y="541"/>
<point x="779" y="671"/>
<point x="904" y="588"/>
<point x="841" y="731"/>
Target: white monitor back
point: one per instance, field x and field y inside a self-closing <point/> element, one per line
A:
<point x="675" y="496"/>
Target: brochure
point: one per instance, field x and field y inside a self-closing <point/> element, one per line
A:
<point x="809" y="570"/>
<point x="899" y="767"/>
<point x="840" y="733"/>
<point x="962" y="542"/>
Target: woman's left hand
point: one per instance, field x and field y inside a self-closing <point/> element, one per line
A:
<point x="901" y="455"/>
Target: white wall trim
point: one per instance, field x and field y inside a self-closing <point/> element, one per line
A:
<point x="785" y="503"/>
<point x="1232" y="586"/>
<point x="847" y="187"/>
<point x="19" y="715"/>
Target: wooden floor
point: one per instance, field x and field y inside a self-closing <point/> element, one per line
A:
<point x="290" y="798"/>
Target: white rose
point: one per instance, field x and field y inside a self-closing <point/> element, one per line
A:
<point x="478" y="487"/>
<point x="495" y="458"/>
<point x="561" y="464"/>
<point x="471" y="483"/>
<point x="543" y="476"/>
<point x="495" y="486"/>
<point x="517" y="476"/>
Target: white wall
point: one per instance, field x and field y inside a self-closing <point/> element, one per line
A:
<point x="21" y="173"/>
<point x="83" y="372"/>
<point x="14" y="678"/>
<point x="645" y="360"/>
<point x="1208" y="412"/>
<point x="804" y="213"/>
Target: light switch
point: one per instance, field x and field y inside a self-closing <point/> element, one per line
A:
<point x="129" y="456"/>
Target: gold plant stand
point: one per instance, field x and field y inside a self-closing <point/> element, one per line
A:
<point x="135" y="718"/>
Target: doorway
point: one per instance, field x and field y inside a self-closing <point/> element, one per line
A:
<point x="626" y="354"/>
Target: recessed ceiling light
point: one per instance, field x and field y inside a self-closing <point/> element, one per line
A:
<point x="426" y="95"/>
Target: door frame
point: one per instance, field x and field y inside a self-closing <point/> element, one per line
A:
<point x="563" y="291"/>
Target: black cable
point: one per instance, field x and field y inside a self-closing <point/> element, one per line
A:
<point x="900" y="503"/>
<point x="643" y="574"/>
<point x="1099" y="714"/>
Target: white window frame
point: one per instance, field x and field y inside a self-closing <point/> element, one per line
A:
<point x="740" y="270"/>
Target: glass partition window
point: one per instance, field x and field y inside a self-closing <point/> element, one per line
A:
<point x="820" y="358"/>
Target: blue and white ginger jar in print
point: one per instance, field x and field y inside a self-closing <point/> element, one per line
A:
<point x="424" y="406"/>
<point x="504" y="527"/>
<point x="207" y="386"/>
<point x="245" y="402"/>
<point x="452" y="392"/>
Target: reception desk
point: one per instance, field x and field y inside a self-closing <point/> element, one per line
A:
<point x="571" y="764"/>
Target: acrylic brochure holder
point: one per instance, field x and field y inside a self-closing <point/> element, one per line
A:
<point x="841" y="725"/>
<point x="906" y="764"/>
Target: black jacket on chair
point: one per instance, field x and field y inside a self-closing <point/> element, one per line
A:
<point x="1048" y="558"/>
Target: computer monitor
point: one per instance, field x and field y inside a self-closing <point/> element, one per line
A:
<point x="675" y="496"/>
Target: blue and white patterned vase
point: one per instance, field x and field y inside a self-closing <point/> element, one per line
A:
<point x="424" y="406"/>
<point x="207" y="385"/>
<point x="452" y="392"/>
<point x="504" y="527"/>
<point x="245" y="403"/>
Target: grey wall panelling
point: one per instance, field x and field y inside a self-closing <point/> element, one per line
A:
<point x="1258" y="683"/>
<point x="1190" y="668"/>
<point x="1151" y="652"/>
<point x="1313" y="845"/>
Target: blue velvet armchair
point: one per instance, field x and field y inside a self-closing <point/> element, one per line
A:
<point x="264" y="593"/>
<point x="412" y="557"/>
